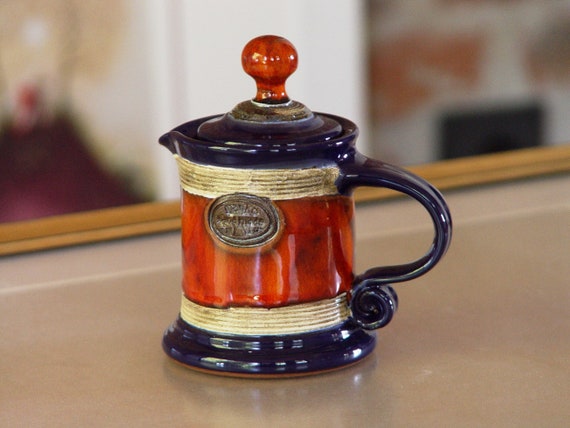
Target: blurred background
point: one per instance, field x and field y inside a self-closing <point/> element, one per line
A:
<point x="87" y="87"/>
<point x="73" y="111"/>
<point x="468" y="77"/>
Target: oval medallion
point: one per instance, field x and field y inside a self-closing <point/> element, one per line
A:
<point x="243" y="220"/>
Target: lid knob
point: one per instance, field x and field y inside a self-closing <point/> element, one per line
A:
<point x="270" y="60"/>
<point x="271" y="118"/>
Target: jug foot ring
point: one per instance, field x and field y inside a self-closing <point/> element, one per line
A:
<point x="267" y="356"/>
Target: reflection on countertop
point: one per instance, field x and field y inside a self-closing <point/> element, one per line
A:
<point x="481" y="340"/>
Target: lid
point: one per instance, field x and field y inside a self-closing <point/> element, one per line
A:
<point x="271" y="117"/>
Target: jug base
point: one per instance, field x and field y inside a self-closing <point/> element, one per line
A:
<point x="267" y="356"/>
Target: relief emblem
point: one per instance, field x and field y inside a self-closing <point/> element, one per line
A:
<point x="243" y="220"/>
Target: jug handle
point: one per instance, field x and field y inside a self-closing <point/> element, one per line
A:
<point x="373" y="301"/>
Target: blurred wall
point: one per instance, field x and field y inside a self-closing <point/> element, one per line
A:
<point x="432" y="58"/>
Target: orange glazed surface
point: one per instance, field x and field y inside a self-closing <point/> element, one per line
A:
<point x="311" y="260"/>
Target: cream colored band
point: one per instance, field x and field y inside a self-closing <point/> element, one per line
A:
<point x="214" y="181"/>
<point x="299" y="318"/>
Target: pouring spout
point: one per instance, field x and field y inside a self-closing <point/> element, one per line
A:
<point x="168" y="141"/>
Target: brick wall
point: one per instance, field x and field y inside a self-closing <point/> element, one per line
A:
<point x="432" y="57"/>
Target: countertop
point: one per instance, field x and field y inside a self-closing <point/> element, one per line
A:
<point x="482" y="340"/>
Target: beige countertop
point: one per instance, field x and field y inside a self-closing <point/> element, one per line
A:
<point x="482" y="340"/>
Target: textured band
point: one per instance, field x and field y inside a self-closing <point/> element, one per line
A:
<point x="214" y="181"/>
<point x="292" y="319"/>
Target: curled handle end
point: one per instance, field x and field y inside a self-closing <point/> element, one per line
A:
<point x="373" y="301"/>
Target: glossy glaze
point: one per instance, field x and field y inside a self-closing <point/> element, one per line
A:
<point x="254" y="146"/>
<point x="311" y="260"/>
<point x="267" y="356"/>
<point x="272" y="244"/>
<point x="270" y="60"/>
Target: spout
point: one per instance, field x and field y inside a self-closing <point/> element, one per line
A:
<point x="168" y="141"/>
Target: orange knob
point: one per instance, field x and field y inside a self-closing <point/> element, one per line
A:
<point x="270" y="60"/>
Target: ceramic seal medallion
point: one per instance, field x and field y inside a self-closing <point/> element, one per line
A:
<point x="268" y="287"/>
<point x="244" y="221"/>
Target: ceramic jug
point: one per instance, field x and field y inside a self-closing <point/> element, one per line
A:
<point x="268" y="286"/>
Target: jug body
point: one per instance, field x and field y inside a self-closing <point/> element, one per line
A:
<point x="250" y="250"/>
<point x="268" y="232"/>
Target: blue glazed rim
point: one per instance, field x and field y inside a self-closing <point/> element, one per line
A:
<point x="271" y="152"/>
<point x="267" y="356"/>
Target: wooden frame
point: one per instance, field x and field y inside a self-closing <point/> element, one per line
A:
<point x="149" y="218"/>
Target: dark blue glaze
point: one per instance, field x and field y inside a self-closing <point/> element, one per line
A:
<point x="373" y="302"/>
<point x="267" y="355"/>
<point x="362" y="171"/>
<point x="252" y="150"/>
<point x="316" y="128"/>
<point x="373" y="305"/>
